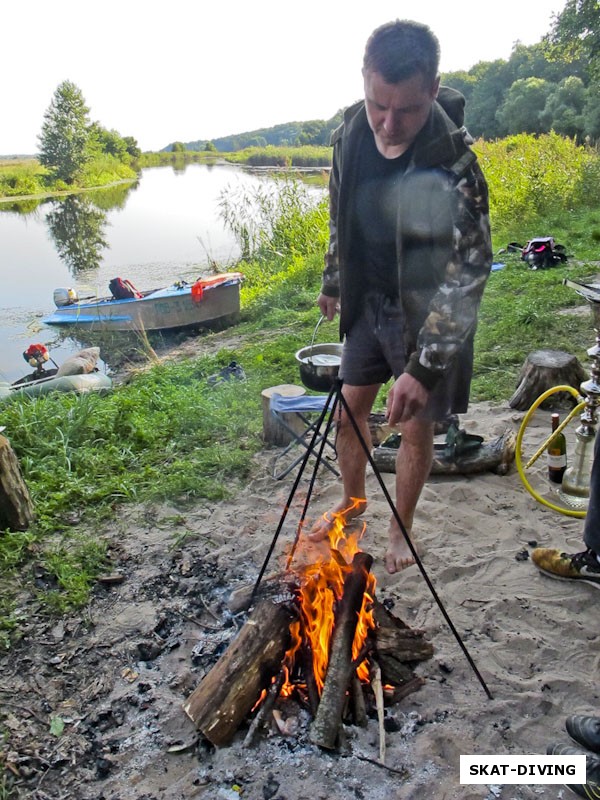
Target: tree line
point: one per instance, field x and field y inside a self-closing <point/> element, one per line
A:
<point x="551" y="86"/>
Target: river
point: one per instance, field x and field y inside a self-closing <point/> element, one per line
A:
<point x="165" y="227"/>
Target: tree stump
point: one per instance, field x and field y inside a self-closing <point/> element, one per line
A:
<point x="542" y="370"/>
<point x="273" y="432"/>
<point x="16" y="508"/>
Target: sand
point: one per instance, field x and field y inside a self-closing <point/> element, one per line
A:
<point x="534" y="641"/>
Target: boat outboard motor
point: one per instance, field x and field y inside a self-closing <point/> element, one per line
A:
<point x="65" y="297"/>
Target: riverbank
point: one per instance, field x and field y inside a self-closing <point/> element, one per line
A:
<point x="93" y="702"/>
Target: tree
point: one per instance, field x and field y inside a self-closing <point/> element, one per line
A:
<point x="105" y="141"/>
<point x="576" y="33"/>
<point x="132" y="146"/>
<point x="522" y="109"/>
<point x="591" y="112"/>
<point x="64" y="140"/>
<point x="563" y="112"/>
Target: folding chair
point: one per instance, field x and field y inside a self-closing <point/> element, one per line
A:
<point x="308" y="408"/>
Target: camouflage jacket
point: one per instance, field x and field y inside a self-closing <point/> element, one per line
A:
<point x="443" y="241"/>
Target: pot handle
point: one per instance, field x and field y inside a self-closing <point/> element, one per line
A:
<point x="312" y="342"/>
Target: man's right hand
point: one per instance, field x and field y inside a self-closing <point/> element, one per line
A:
<point x="329" y="306"/>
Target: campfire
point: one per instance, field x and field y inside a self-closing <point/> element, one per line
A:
<point x="317" y="635"/>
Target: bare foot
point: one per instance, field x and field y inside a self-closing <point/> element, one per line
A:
<point x="346" y="509"/>
<point x="399" y="555"/>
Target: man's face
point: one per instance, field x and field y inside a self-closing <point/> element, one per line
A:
<point x="397" y="111"/>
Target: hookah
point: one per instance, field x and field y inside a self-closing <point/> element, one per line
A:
<point x="575" y="488"/>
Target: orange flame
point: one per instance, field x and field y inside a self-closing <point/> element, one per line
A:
<point x="322" y="585"/>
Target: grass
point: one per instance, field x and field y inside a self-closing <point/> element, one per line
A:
<point x="168" y="435"/>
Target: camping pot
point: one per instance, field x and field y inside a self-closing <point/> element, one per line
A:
<point x="319" y="363"/>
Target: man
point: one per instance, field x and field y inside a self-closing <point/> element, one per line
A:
<point x="583" y="566"/>
<point x="408" y="259"/>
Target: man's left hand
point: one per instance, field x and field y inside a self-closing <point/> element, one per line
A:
<point x="406" y="398"/>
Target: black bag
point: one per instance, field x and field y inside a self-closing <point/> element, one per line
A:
<point x="543" y="252"/>
<point x="122" y="289"/>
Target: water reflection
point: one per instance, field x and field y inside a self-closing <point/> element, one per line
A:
<point x="77" y="228"/>
<point x="78" y="225"/>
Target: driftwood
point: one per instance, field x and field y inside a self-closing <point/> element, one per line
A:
<point x="495" y="455"/>
<point x="542" y="370"/>
<point x="16" y="507"/>
<point x="233" y="686"/>
<point x="326" y="725"/>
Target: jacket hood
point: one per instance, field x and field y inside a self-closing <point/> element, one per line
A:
<point x="442" y="141"/>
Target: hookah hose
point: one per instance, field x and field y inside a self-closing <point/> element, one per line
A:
<point x="521" y="469"/>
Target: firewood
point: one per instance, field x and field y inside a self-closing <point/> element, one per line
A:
<point x="325" y="727"/>
<point x="233" y="686"/>
<point x="266" y="708"/>
<point x="359" y="707"/>
<point x="16" y="507"/>
<point x="397" y="648"/>
<point x="542" y="370"/>
<point x="496" y="455"/>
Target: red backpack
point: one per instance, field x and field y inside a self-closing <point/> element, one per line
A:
<point x="123" y="289"/>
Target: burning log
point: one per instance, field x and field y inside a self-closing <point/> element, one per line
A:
<point x="324" y="730"/>
<point x="233" y="686"/>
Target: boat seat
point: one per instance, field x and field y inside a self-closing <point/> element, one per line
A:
<point x="309" y="409"/>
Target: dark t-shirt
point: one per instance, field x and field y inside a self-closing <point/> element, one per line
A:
<point x="374" y="216"/>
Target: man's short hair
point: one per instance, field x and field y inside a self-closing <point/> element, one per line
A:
<point x="398" y="50"/>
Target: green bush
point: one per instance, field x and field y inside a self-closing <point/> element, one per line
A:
<point x="530" y="177"/>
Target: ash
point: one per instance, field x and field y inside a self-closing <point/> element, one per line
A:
<point x="91" y="705"/>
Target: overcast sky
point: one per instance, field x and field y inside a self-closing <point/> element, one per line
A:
<point x="199" y="70"/>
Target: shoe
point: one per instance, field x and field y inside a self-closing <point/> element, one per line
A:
<point x="591" y="788"/>
<point x="585" y="730"/>
<point x="568" y="566"/>
<point x="232" y="370"/>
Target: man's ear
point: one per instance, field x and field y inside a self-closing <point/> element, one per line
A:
<point x="435" y="88"/>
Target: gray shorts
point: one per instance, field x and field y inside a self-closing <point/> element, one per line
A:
<point x="374" y="351"/>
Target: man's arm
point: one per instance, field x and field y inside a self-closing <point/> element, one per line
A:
<point x="453" y="310"/>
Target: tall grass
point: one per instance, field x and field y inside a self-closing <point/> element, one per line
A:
<point x="531" y="178"/>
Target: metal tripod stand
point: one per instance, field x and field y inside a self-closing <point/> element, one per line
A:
<point x="336" y="400"/>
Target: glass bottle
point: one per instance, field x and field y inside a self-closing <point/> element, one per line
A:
<point x="575" y="488"/>
<point x="557" y="453"/>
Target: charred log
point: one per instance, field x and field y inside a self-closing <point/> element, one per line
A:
<point x="397" y="648"/>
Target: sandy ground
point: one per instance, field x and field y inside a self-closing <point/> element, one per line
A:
<point x="92" y="705"/>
